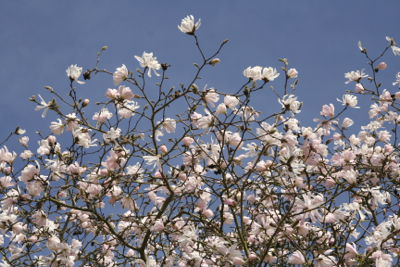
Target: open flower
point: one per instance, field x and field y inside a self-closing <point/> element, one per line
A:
<point x="269" y="74"/>
<point x="231" y="101"/>
<point x="395" y="49"/>
<point x="45" y="106"/>
<point x="297" y="258"/>
<point x="169" y="125"/>
<point x="74" y="72"/>
<point x="120" y="75"/>
<point x="57" y="127"/>
<point x="188" y="26"/>
<point x="253" y="73"/>
<point x="148" y="61"/>
<point x="349" y="100"/>
<point x="355" y="76"/>
<point x="153" y="160"/>
<point x="289" y="102"/>
<point x="328" y="110"/>
<point x="211" y="97"/>
<point x="397" y="79"/>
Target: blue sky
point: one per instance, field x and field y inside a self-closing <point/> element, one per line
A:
<point x="40" y="39"/>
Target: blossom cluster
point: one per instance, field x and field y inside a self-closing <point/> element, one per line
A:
<point x="218" y="184"/>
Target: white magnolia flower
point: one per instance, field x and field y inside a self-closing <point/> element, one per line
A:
<point x="231" y="101"/>
<point x="253" y="73"/>
<point x="211" y="96"/>
<point x="153" y="160"/>
<point x="43" y="105"/>
<point x="188" y="26"/>
<point x="355" y="76"/>
<point x="74" y="72"/>
<point x="169" y="125"/>
<point x="57" y="127"/>
<point x="397" y="79"/>
<point x="120" y="75"/>
<point x="112" y="135"/>
<point x="297" y="258"/>
<point x="127" y="108"/>
<point x="292" y="73"/>
<point x="347" y="122"/>
<point x="102" y="115"/>
<point x="349" y="100"/>
<point x="360" y="46"/>
<point x="395" y="49"/>
<point x="220" y="109"/>
<point x="289" y="102"/>
<point x="83" y="137"/>
<point x="148" y="61"/>
<point x="269" y="74"/>
<point x="325" y="261"/>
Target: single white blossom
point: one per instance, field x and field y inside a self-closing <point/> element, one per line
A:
<point x="120" y="75"/>
<point x="187" y="25"/>
<point x="397" y="79"/>
<point x="253" y="73"/>
<point x="292" y="73"/>
<point x="269" y="74"/>
<point x="43" y="105"/>
<point x="150" y="62"/>
<point x="153" y="160"/>
<point x="349" y="100"/>
<point x="395" y="49"/>
<point x="74" y="72"/>
<point x="355" y="76"/>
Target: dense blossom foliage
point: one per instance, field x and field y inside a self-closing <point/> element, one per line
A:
<point x="218" y="184"/>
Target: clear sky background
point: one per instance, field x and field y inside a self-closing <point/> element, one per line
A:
<point x="40" y="39"/>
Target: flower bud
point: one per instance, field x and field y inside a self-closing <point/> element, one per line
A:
<point x="85" y="102"/>
<point x="221" y="109"/>
<point x="163" y="149"/>
<point x="230" y="202"/>
<point x="141" y="136"/>
<point x="104" y="172"/>
<point x="214" y="61"/>
<point x="292" y="73"/>
<point x="187" y="140"/>
<point x="33" y="239"/>
<point x="130" y="253"/>
<point x="62" y="194"/>
<point x="252" y="256"/>
<point x="19" y="131"/>
<point x="298" y="181"/>
<point x="49" y="88"/>
<point x="182" y="176"/>
<point x="86" y="75"/>
<point x="208" y="213"/>
<point x="51" y="139"/>
<point x="329" y="182"/>
<point x="251" y="198"/>
<point x="195" y="88"/>
<point x="246" y="220"/>
<point x="359" y="88"/>
<point x="382" y="66"/>
<point x="7" y="170"/>
<point x="238" y="261"/>
<point x="24" y="141"/>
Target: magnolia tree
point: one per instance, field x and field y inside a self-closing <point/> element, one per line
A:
<point x="217" y="184"/>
